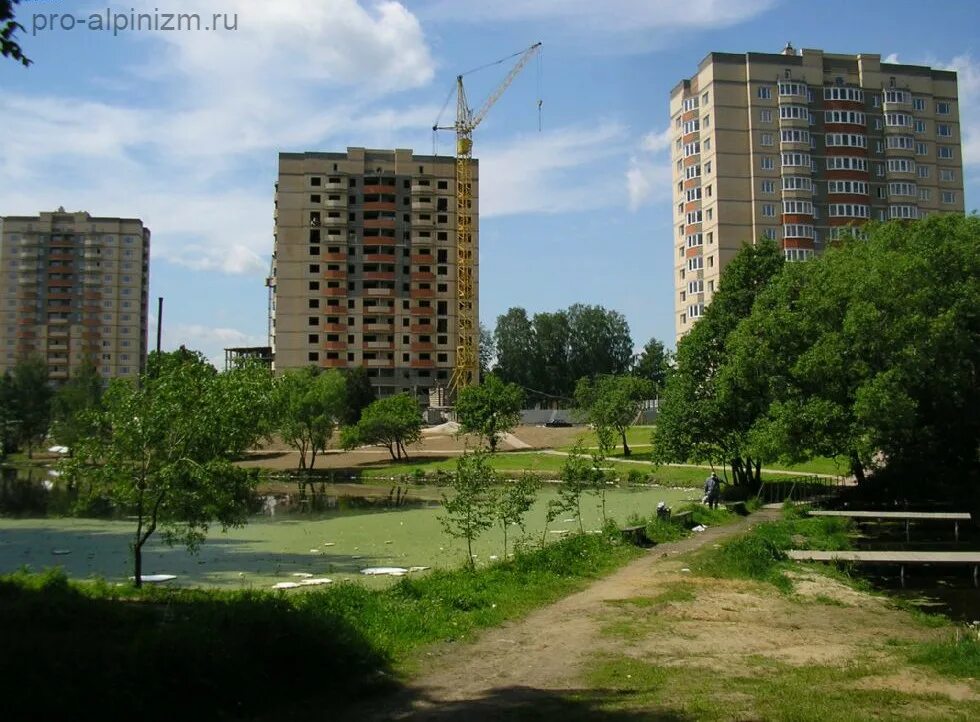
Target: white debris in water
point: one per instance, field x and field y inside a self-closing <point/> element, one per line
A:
<point x="685" y="569"/>
<point x="385" y="571"/>
<point x="494" y="557"/>
<point x="418" y="569"/>
<point x="315" y="582"/>
<point x="314" y="551"/>
<point x="699" y="528"/>
<point x="156" y="578"/>
<point x="558" y="531"/>
<point x="389" y="541"/>
<point x="58" y="449"/>
<point x="305" y="575"/>
<point x="329" y="544"/>
<point x="60" y="552"/>
<point x="567" y="521"/>
<point x="285" y="585"/>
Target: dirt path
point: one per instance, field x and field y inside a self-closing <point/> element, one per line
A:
<point x="546" y="651"/>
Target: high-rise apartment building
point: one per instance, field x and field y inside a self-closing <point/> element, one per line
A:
<point x="74" y="288"/>
<point x="364" y="266"/>
<point x="795" y="146"/>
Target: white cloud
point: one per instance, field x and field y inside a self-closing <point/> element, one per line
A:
<point x="294" y="76"/>
<point x="209" y="340"/>
<point x="891" y="58"/>
<point x="649" y="176"/>
<point x="552" y="172"/>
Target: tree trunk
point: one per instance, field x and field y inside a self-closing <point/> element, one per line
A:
<point x="391" y="450"/>
<point x="626" y="447"/>
<point x="492" y="438"/>
<point x="138" y="564"/>
<point x="758" y="473"/>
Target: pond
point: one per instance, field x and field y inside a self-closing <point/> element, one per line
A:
<point x="336" y="533"/>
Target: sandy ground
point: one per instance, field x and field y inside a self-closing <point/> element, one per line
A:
<point x="548" y="652"/>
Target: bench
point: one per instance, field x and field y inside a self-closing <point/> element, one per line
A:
<point x="907" y="516"/>
<point x="683" y="518"/>
<point x="891" y="557"/>
<point x="636" y="535"/>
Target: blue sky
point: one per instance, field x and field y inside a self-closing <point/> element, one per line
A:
<point x="182" y="129"/>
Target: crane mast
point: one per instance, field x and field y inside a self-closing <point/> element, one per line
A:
<point x="466" y="371"/>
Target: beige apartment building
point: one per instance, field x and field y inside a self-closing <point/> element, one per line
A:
<point x="797" y="146"/>
<point x="364" y="266"/>
<point x="74" y="287"/>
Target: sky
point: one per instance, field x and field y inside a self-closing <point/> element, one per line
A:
<point x="183" y="128"/>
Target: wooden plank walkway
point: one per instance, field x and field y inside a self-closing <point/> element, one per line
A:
<point x="891" y="557"/>
<point x="907" y="516"/>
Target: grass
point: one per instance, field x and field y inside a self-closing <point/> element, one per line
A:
<point x="762" y="689"/>
<point x="228" y="650"/>
<point x="759" y="554"/>
<point x="958" y="656"/>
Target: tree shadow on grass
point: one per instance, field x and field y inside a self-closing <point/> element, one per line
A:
<point x="512" y="704"/>
<point x="71" y="654"/>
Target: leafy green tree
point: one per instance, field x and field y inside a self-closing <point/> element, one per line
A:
<point x="72" y="404"/>
<point x="470" y="510"/>
<point x="550" y="373"/>
<point x="358" y="395"/>
<point x="8" y="28"/>
<point x="653" y="364"/>
<point x="870" y="352"/>
<point x="514" y="502"/>
<point x="392" y="422"/>
<point x="700" y="418"/>
<point x="514" y="341"/>
<point x="612" y="404"/>
<point x="578" y="475"/>
<point x="599" y="342"/>
<point x="164" y="454"/>
<point x="29" y="400"/>
<point x="488" y="350"/>
<point x="310" y="404"/>
<point x="491" y="409"/>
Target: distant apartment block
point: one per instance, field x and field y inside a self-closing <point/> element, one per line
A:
<point x="74" y="287"/>
<point x="796" y="146"/>
<point x="364" y="266"/>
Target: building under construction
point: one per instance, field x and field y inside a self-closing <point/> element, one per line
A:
<point x="365" y="266"/>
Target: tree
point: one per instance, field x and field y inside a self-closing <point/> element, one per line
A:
<point x="470" y="510"/>
<point x="490" y="409"/>
<point x="72" y="404"/>
<point x="8" y="28"/>
<point x="164" y="456"/>
<point x="358" y="395"/>
<point x="870" y="352"/>
<point x="578" y="474"/>
<point x="392" y="422"/>
<point x="701" y="417"/>
<point x="599" y="342"/>
<point x="653" y="364"/>
<point x="612" y="404"/>
<point x="550" y="373"/>
<point x="514" y="340"/>
<point x="29" y="399"/>
<point x="488" y="350"/>
<point x="310" y="403"/>
<point x="514" y="502"/>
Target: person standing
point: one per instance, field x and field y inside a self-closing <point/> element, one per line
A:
<point x="712" y="490"/>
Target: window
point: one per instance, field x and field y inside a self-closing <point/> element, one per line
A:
<point x="877" y="123"/>
<point x="692" y="149"/>
<point x="922" y="171"/>
<point x="704" y="99"/>
<point x="694" y="240"/>
<point x="847" y="140"/>
<point x="765" y="115"/>
<point x="695" y="287"/>
<point x="765" y="92"/>
<point x="693" y="194"/>
<point x="948" y="197"/>
<point x="770" y="233"/>
<point x="690" y="104"/>
<point x="875" y="100"/>
<point x="768" y="210"/>
<point x="692" y="171"/>
<point x="707" y="167"/>
<point x="924" y="194"/>
<point x="794" y="112"/>
<point x="706" y="121"/>
<point x="695" y="263"/>
<point x="692" y="126"/>
<point x="921" y="149"/>
<point x="902" y="189"/>
<point x="768" y="186"/>
<point x="898" y="120"/>
<point x="847" y="186"/>
<point x="794" y="135"/>
<point x="903" y="212"/>
<point x="942" y="107"/>
<point x="767" y="139"/>
<point x="848" y="210"/>
<point x="944" y="151"/>
<point x="797" y="231"/>
<point x="798" y="207"/>
<point x="900" y="142"/>
<point x="897" y="96"/>
<point x="846" y="162"/>
<point x="855" y="95"/>
<point x="919" y="126"/>
<point x="918" y="103"/>
<point x="797" y="183"/>
<point x="901" y="165"/>
<point x="695" y="310"/>
<point x="792" y="89"/>
<point x="947" y="175"/>
<point x="693" y="217"/>
<point x="853" y="117"/>
<point x="796" y="159"/>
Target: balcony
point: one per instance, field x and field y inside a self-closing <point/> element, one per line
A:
<point x="379" y="275"/>
<point x="379" y="222"/>
<point x="423" y="260"/>
<point x="423" y="205"/>
<point x="379" y="257"/>
<point x="370" y="189"/>
<point x="334" y="257"/>
<point x="335" y="292"/>
<point x="384" y="327"/>
<point x="333" y="363"/>
<point x="382" y="345"/>
<point x="335" y="327"/>
<point x="423" y="293"/>
<point x="341" y="204"/>
<point x="379" y="310"/>
<point x="420" y="346"/>
<point x="380" y="206"/>
<point x="384" y="292"/>
<point x="423" y="364"/>
<point x="422" y="327"/>
<point x="335" y="345"/>
<point x="423" y="311"/>
<point x="335" y="275"/>
<point x="419" y="189"/>
<point x="334" y="222"/>
<point x="379" y="363"/>
<point x="422" y="276"/>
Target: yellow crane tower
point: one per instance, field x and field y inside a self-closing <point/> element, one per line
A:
<point x="466" y="371"/>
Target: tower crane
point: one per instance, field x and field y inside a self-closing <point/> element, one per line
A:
<point x="466" y="371"/>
